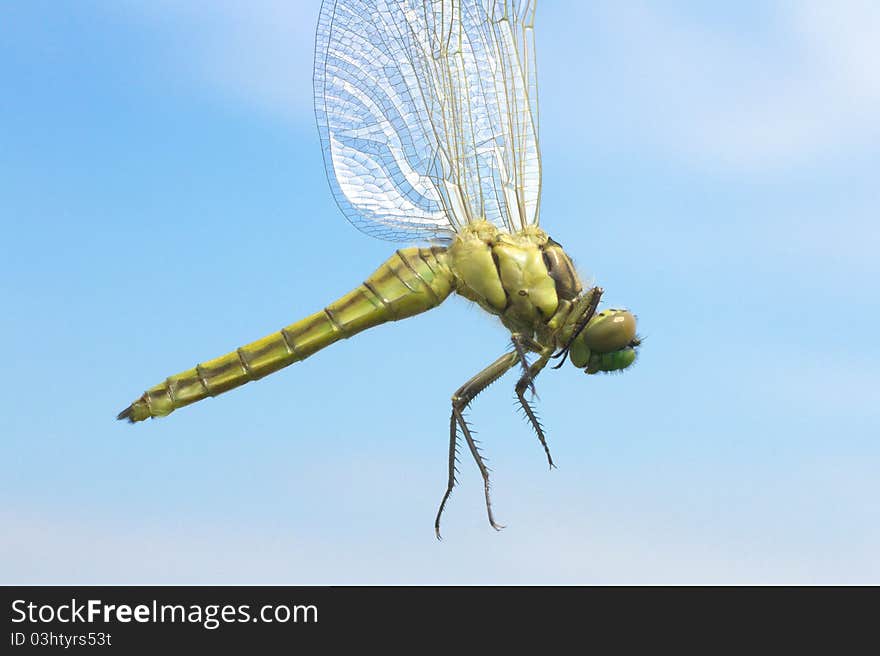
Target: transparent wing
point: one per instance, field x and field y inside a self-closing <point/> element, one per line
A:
<point x="428" y="115"/>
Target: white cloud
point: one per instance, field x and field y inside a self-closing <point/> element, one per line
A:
<point x="57" y="548"/>
<point x="801" y="85"/>
<point x="258" y="54"/>
<point x="792" y="84"/>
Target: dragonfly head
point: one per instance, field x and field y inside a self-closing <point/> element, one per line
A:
<point x="608" y="343"/>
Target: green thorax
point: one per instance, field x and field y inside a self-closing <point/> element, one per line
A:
<point x="523" y="278"/>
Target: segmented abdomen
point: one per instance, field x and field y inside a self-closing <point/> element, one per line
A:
<point x="411" y="281"/>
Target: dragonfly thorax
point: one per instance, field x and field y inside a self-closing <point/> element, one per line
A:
<point x="521" y="277"/>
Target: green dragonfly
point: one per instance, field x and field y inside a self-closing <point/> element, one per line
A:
<point x="428" y="117"/>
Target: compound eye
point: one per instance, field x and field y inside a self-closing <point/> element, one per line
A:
<point x="609" y="330"/>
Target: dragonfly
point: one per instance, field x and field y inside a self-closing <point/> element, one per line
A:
<point x="428" y="117"/>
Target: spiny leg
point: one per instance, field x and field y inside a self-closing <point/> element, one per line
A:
<point x="453" y="462"/>
<point x="521" y="343"/>
<point x="527" y="380"/>
<point x="460" y="400"/>
<point x="478" y="458"/>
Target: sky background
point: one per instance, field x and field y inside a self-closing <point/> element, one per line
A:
<point x="163" y="200"/>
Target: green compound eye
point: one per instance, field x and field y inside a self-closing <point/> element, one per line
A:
<point x="606" y="344"/>
<point x="609" y="330"/>
<point x="614" y="361"/>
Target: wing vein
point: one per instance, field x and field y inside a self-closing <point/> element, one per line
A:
<point x="427" y="112"/>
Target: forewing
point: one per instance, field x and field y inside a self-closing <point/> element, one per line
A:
<point x="428" y="114"/>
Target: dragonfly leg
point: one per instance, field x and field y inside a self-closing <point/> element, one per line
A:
<point x="453" y="471"/>
<point x="460" y="401"/>
<point x="521" y="343"/>
<point x="526" y="381"/>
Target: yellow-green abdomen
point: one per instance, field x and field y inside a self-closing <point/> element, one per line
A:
<point x="411" y="281"/>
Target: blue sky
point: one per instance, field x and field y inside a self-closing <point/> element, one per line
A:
<point x="163" y="201"/>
